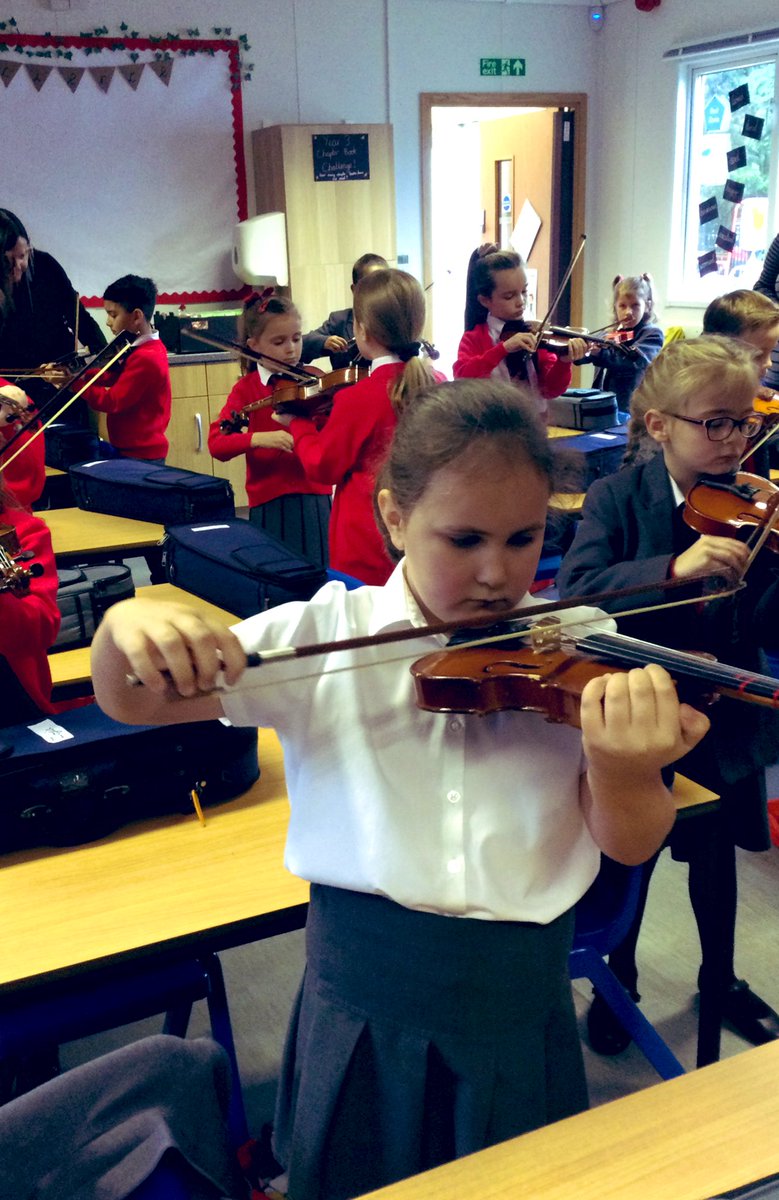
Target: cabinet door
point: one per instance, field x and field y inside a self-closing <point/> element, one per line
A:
<point x="235" y="469"/>
<point x="188" y="435"/>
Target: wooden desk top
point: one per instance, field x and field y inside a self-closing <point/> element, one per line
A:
<point x="52" y="472"/>
<point x="76" y="531"/>
<point x="159" y="884"/>
<point x="686" y="1139"/>
<point x="70" y="667"/>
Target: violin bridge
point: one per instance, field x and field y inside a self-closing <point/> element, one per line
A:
<point x="546" y="634"/>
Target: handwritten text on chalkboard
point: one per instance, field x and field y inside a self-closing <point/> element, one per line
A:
<point x="340" y="156"/>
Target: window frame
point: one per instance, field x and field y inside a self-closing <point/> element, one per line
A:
<point x="687" y="289"/>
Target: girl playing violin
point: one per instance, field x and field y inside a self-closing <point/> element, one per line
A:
<point x="29" y="616"/>
<point x="692" y="416"/>
<point x="633" y="307"/>
<point x="445" y="852"/>
<point x="497" y="341"/>
<point x="25" y="476"/>
<point x="282" y="499"/>
<point x="389" y="313"/>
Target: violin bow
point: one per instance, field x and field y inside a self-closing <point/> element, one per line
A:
<point x="119" y="346"/>
<point x="558" y="294"/>
<point x="298" y="374"/>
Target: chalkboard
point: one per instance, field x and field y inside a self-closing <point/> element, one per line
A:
<point x="340" y="156"/>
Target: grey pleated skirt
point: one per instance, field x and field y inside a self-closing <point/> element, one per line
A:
<point x="301" y="521"/>
<point x="418" y="1038"/>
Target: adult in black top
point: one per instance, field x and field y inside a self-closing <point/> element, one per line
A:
<point x="40" y="317"/>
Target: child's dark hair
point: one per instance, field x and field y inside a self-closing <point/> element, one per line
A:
<point x="13" y="229"/>
<point x="452" y="420"/>
<point x="390" y="304"/>
<point x="259" y="311"/>
<point x="740" y="312"/>
<point x="706" y="364"/>
<point x="640" y="286"/>
<point x="483" y="265"/>
<point x="133" y="291"/>
<point x="364" y="264"/>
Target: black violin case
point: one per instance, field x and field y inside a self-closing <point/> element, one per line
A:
<point x="583" y="459"/>
<point x="238" y="566"/>
<point x="584" y="408"/>
<point x="127" y="487"/>
<point x="83" y="775"/>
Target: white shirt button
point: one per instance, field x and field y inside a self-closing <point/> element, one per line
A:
<point x="453" y="797"/>
<point x="455" y="724"/>
<point x="455" y="865"/>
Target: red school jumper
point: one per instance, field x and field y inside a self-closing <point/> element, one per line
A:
<point x="269" y="473"/>
<point x="138" y="403"/>
<point x="29" y="624"/>
<point x="478" y="356"/>
<point x="347" y="452"/>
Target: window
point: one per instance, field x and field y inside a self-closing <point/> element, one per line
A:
<point x="725" y="206"/>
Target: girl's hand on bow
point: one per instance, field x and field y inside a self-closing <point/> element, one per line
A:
<point x="713" y="554"/>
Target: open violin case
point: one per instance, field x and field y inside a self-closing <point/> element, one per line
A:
<point x="127" y="487"/>
<point x="79" y="775"/>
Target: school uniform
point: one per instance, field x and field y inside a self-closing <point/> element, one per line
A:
<point x="282" y="499"/>
<point x="481" y="353"/>
<point x="631" y="529"/>
<point x="26" y="475"/>
<point x="28" y="626"/>
<point x="346" y="453"/>
<point x="338" y="324"/>
<point x="446" y="853"/>
<point x="768" y="285"/>
<point x="620" y="373"/>
<point x="138" y="402"/>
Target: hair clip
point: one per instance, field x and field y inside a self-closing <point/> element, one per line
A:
<point x="260" y="299"/>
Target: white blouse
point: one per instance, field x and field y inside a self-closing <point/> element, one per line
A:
<point x="460" y="814"/>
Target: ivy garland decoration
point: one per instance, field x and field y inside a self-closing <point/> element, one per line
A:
<point x="10" y="26"/>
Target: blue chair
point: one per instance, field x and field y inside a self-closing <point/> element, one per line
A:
<point x="108" y="998"/>
<point x="603" y="917"/>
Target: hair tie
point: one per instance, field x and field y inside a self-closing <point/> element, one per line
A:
<point x="410" y="350"/>
<point x="260" y="300"/>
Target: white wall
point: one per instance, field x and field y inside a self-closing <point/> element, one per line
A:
<point x="368" y="60"/>
<point x="632" y="148"/>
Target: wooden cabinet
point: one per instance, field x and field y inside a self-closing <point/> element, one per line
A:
<point x="199" y="392"/>
<point x="330" y="223"/>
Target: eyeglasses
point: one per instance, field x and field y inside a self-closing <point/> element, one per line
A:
<point x="719" y="429"/>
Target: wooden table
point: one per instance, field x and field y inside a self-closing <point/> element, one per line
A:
<point x="689" y="1138"/>
<point x="81" y="536"/>
<point x="158" y="887"/>
<point x="71" y="673"/>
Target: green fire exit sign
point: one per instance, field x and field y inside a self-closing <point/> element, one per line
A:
<point x="501" y="66"/>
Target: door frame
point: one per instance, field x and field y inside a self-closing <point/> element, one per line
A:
<point x="576" y="101"/>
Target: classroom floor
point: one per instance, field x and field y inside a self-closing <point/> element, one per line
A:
<point x="262" y="980"/>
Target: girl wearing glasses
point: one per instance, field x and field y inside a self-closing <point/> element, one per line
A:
<point x="691" y="416"/>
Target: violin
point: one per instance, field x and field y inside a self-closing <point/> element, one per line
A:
<point x="21" y="410"/>
<point x="737" y="507"/>
<point x="14" y="577"/>
<point x="549" y="678"/>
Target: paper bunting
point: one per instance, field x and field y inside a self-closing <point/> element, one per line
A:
<point x="737" y="158"/>
<point x="162" y="68"/>
<point x="707" y="263"/>
<point x="132" y="74"/>
<point x="102" y="76"/>
<point x="8" y="70"/>
<point x="708" y="210"/>
<point x="72" y="76"/>
<point x="739" y="97"/>
<point x="753" y="127"/>
<point x="38" y="74"/>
